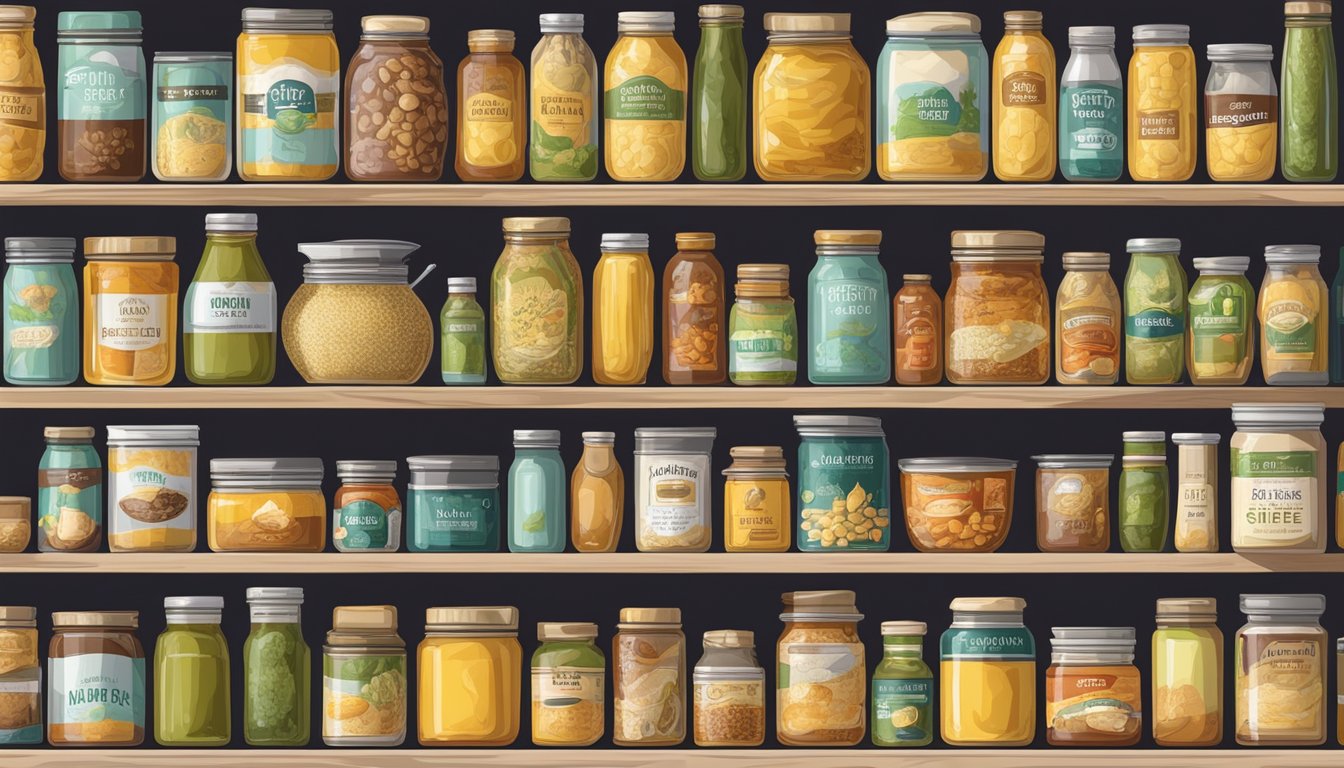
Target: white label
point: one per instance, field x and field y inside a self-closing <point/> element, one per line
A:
<point x="1195" y="513"/>
<point x="141" y="496"/>
<point x="673" y="501"/>
<point x="230" y="308"/>
<point x="1281" y="510"/>
<point x="96" y="687"/>
<point x="131" y="322"/>
<point x="567" y="686"/>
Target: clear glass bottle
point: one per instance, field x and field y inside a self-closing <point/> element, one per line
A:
<point x="563" y="145"/>
<point x="1220" y="346"/>
<point x="1144" y="507"/>
<point x="536" y="304"/>
<point x="649" y="678"/>
<point x="645" y="100"/>
<point x="763" y="328"/>
<point x="1293" y="306"/>
<point x="1309" y="141"/>
<point x="229" y="311"/>
<point x="849" y="312"/>
<point x="1187" y="673"/>
<point x="1280" y="670"/>
<point x="491" y="123"/>
<point x="1024" y="100"/>
<point x="569" y="676"/>
<point x="1162" y="130"/>
<point x="69" y="492"/>
<point x="1196" y="491"/>
<point x="729" y="691"/>
<point x="1155" y="312"/>
<point x="1241" y="113"/>
<point x="1088" y="319"/>
<point x="462" y="334"/>
<point x="1092" y="108"/>
<point x="695" y="347"/>
<point x="719" y="96"/>
<point x="191" y="675"/>
<point x="597" y="490"/>
<point x="537" y="492"/>
<point x="276" y="670"/>
<point x="902" y="688"/>
<point x="623" y="310"/>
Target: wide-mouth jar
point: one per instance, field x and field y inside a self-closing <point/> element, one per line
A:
<point x="267" y="504"/>
<point x="957" y="503"/>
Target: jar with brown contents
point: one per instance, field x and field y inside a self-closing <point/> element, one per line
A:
<point x="101" y="111"/>
<point x="491" y="128"/>
<point x="729" y="689"/>
<point x="695" y="350"/>
<point x="997" y="309"/>
<point x="96" y="680"/>
<point x="822" y="675"/>
<point x="396" y="119"/>
<point x="1073" y="509"/>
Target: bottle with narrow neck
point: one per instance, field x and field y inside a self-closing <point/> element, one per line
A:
<point x="228" y="323"/>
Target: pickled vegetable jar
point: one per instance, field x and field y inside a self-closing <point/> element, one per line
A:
<point x="1162" y="103"/>
<point x="597" y="495"/>
<point x="276" y="670"/>
<point x="1187" y="673"/>
<point x="1309" y="108"/>
<point x="822" y="674"/>
<point x="997" y="309"/>
<point x="470" y="677"/>
<point x="917" y="314"/>
<point x="23" y="132"/>
<point x="569" y="675"/>
<point x="763" y="327"/>
<point x="1073" y="502"/>
<point x="1155" y="311"/>
<point x="69" y="492"/>
<point x="1280" y="669"/>
<point x="537" y="492"/>
<point x="266" y="505"/>
<point x="1144" y="503"/>
<point x="902" y="688"/>
<point x="1293" y="310"/>
<point x="1221" y="343"/>
<point x="813" y="93"/>
<point x="191" y="675"/>
<point x="1241" y="112"/>
<point x="491" y="124"/>
<point x="1091" y="108"/>
<point x="41" y="321"/>
<point x="364" y="678"/>
<point x="849" y="317"/>
<point x="649" y="683"/>
<point x="719" y="96"/>
<point x="645" y="101"/>
<point x="987" y="679"/>
<point x="1024" y="100"/>
<point x="563" y="144"/>
<point x="130" y="310"/>
<point x="229" y="312"/>
<point x="623" y="310"/>
<point x="536" y="301"/>
<point x="756" y="506"/>
<point x="932" y="119"/>
<point x="1088" y="319"/>
<point x="695" y="347"/>
<point x="844" y="484"/>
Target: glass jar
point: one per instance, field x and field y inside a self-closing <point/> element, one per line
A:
<point x="849" y="317"/>
<point x="673" y="488"/>
<point x="41" y="326"/>
<point x="453" y="504"/>
<point x="1196" y="491"/>
<point x="98" y="654"/>
<point x="902" y="688"/>
<point x="844" y="484"/>
<point x="364" y="678"/>
<point x="24" y="93"/>
<point x="1310" y="105"/>
<point x="470" y="677"/>
<point x="1162" y="99"/>
<point x="130" y="310"/>
<point x="569" y="675"/>
<point x="20" y="675"/>
<point x="192" y="117"/>
<point x="1241" y="112"/>
<point x="987" y="676"/>
<point x="537" y="492"/>
<point x="366" y="511"/>
<point x="151" y="488"/>
<point x="763" y="328"/>
<point x="1088" y="318"/>
<point x="1278" y="478"/>
<point x="1024" y="100"/>
<point x="649" y="684"/>
<point x="1093" y="695"/>
<point x="1187" y="673"/>
<point x="1091" y="108"/>
<point x="917" y="315"/>
<point x="821" y="675"/>
<point x="491" y="123"/>
<point x="719" y="96"/>
<point x="276" y="670"/>
<point x="623" y="310"/>
<point x="1155" y="311"/>
<point x="1280" y="670"/>
<point x="100" y="116"/>
<point x="1220" y="346"/>
<point x="356" y="319"/>
<point x="536" y="301"/>
<point x="266" y="505"/>
<point x="597" y="495"/>
<point x="16" y="523"/>
<point x="289" y="81"/>
<point x="694" y="345"/>
<point x="958" y="503"/>
<point x="1294" y="302"/>
<point x="69" y="492"/>
<point x="932" y="115"/>
<point x="756" y="515"/>
<point x="564" y="102"/>
<point x="998" y="309"/>
<point x="1073" y="502"/>
<point x="1144" y="505"/>
<point x="228" y="315"/>
<point x="462" y="334"/>
<point x="1336" y="353"/>
<point x="729" y="691"/>
<point x="645" y="99"/>
<point x="191" y="675"/>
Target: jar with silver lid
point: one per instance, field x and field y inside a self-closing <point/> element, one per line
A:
<point x="1091" y="108"/>
<point x="1093" y="695"/>
<point x="673" y="488"/>
<point x="537" y="492"/>
<point x="1220" y="347"/>
<point x="1278" y="460"/>
<point x="41" y="325"/>
<point x="1294" y="317"/>
<point x="266" y="505"/>
<point x="1280" y="671"/>
<point x="1241" y="112"/>
<point x="844" y="484"/>
<point x="1089" y="317"/>
<point x="366" y="512"/>
<point x="1196" y="491"/>
<point x="1073" y="502"/>
<point x="151" y="488"/>
<point x="729" y="691"/>
<point x="453" y="504"/>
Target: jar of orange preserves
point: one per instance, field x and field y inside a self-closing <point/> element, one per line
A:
<point x="997" y="309"/>
<point x="130" y="310"/>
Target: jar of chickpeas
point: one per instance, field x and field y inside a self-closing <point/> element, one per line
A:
<point x="1162" y="92"/>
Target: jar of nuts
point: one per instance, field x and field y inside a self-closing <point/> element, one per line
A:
<point x="396" y="118"/>
<point x="100" y="114"/>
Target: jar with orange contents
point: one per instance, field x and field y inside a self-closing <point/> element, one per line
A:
<point x="695" y="351"/>
<point x="366" y="512"/>
<point x="130" y="311"/>
<point x="23" y="129"/>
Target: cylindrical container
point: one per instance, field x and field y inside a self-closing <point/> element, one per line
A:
<point x="491" y="121"/>
<point x="648" y="663"/>
<point x="41" y="326"/>
<point x="16" y="523"/>
<point x="1293" y="310"/>
<point x="229" y="311"/>
<point x="1196" y="491"/>
<point x="902" y="688"/>
<point x="452" y="504"/>
<point x="266" y="505"/>
<point x="192" y="116"/>
<point x="1309" y="110"/>
<point x="1093" y="696"/>
<point x="366" y="511"/>
<point x="23" y="133"/>
<point x="537" y="492"/>
<point x="957" y="503"/>
<point x="69" y="492"/>
<point x="695" y="342"/>
<point x="917" y="316"/>
<point x="100" y="115"/>
<point x="1187" y="673"/>
<point x="1024" y="100"/>
<point x="1144" y="504"/>
<point x="848" y="313"/>
<point x="536" y="304"/>
<point x="1220" y="346"/>
<point x="729" y="691"/>
<point x="763" y="328"/>
<point x="569" y="675"/>
<point x="1088" y="321"/>
<point x="987" y="675"/>
<point x="96" y="680"/>
<point x="130" y="310"/>
<point x="1278" y="478"/>
<point x="1280" y="670"/>
<point x="364" y="678"/>
<point x="821" y="697"/>
<point x="719" y="96"/>
<point x="623" y="310"/>
<point x="673" y="488"/>
<point x="564" y="102"/>
<point x="1155" y="311"/>
<point x="645" y="100"/>
<point x="756" y="506"/>
<point x="1241" y="112"/>
<point x="151" y="488"/>
<point x="1073" y="502"/>
<point x="997" y="309"/>
<point x="1162" y="132"/>
<point x="462" y="334"/>
<point x="191" y="675"/>
<point x="470" y="677"/>
<point x="276" y="670"/>
<point x="20" y="675"/>
<point x="1091" y="108"/>
<point x="844" y="484"/>
<point x="597" y="495"/>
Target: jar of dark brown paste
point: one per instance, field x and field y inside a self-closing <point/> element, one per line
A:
<point x="96" y="674"/>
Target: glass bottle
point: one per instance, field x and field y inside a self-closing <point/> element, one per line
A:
<point x="1091" y="108"/>
<point x="1144" y="502"/>
<point x="69" y="492"/>
<point x="1162" y="99"/>
<point x="228" y="314"/>
<point x="1309" y="140"/>
<point x="491" y="123"/>
<point x="1280" y="671"/>
<point x="1220" y="347"/>
<point x="1196" y="491"/>
<point x="536" y="304"/>
<point x="569" y="676"/>
<point x="695" y="349"/>
<point x="1294" y="334"/>
<point x="902" y="688"/>
<point x="1337" y="323"/>
<point x="462" y="334"/>
<point x="24" y="93"/>
<point x="719" y="96"/>
<point x="1187" y="673"/>
<point x="537" y="492"/>
<point x="849" y="315"/>
<point x="917" y="315"/>
<point x="649" y="678"/>
<point x="1024" y="100"/>
<point x="563" y="145"/>
<point x="1088" y="315"/>
<point x="763" y="328"/>
<point x="41" y="324"/>
<point x="276" y="669"/>
<point x="1155" y="312"/>
<point x="623" y="310"/>
<point x="645" y="100"/>
<point x="597" y="490"/>
<point x="191" y="675"/>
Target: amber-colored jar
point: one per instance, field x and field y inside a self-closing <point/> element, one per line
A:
<point x="917" y="316"/>
<point x="366" y="512"/>
<point x="695" y="350"/>
<point x="130" y="311"/>
<point x="99" y="655"/>
<point x="491" y="109"/>
<point x="822" y="676"/>
<point x="997" y="309"/>
<point x="1073" y="502"/>
<point x="649" y="678"/>
<point x="756" y="500"/>
<point x="1093" y="696"/>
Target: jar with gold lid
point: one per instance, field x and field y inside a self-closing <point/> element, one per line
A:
<point x="756" y="507"/>
<point x="694" y="344"/>
<point x="649" y="678"/>
<point x="20" y="677"/>
<point x="998" y="309"/>
<point x="470" y="677"/>
<point x="364" y="678"/>
<point x="763" y="327"/>
<point x="536" y="297"/>
<point x="130" y="310"/>
<point x="491" y="112"/>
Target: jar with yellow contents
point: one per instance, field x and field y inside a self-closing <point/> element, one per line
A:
<point x="266" y="505"/>
<point x="470" y="677"/>
<point x="645" y="100"/>
<point x="1241" y="112"/>
<point x="813" y="96"/>
<point x="756" y="507"/>
<point x="1024" y="100"/>
<point x="988" y="674"/>
<point x="130" y="310"/>
<point x="623" y="310"/>
<point x="23" y="126"/>
<point x="491" y="129"/>
<point x="1161" y="130"/>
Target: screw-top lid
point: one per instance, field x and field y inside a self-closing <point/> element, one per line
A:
<point x="820" y="605"/>
<point x="599" y="438"/>
<point x="115" y="619"/>
<point x="274" y="605"/>
<point x="1144" y="437"/>
<point x="1015" y="20"/>
<point x="40" y="250"/>
<point x="645" y="21"/>
<point x="1313" y="8"/>
<point x="461" y="285"/>
<point x="286" y="20"/>
<point x="973" y="246"/>
<point x="722" y="12"/>
<point x="453" y="463"/>
<point x="1223" y="265"/>
<point x="1170" y="34"/>
<point x="904" y="629"/>
<point x="1286" y="415"/>
<point x="913" y="278"/>
<point x="366" y="470"/>
<point x="154" y="434"/>
<point x="1153" y="245"/>
<point x="757" y="461"/>
<point x="807" y="23"/>
<point x="230" y="222"/>
<point x="695" y="241"/>
<point x="955" y="464"/>
<point x="1196" y="438"/>
<point x="536" y="438"/>
<point x="275" y="595"/>
<point x="770" y="272"/>
<point x="988" y="604"/>
<point x="491" y="38"/>
<point x="364" y="626"/>
<point x="395" y="26"/>
<point x="730" y="638"/>
<point x="1092" y="36"/>
<point x="68" y="433"/>
<point x="826" y="425"/>
<point x="132" y="248"/>
<point x="1074" y="460"/>
<point x="17" y="616"/>
<point x="17" y="14"/>
<point x="537" y="225"/>
<point x="1087" y="261"/>
<point x="16" y="508"/>
<point x="664" y="616"/>
<point x="494" y="618"/>
<point x="1240" y="52"/>
<point x="120" y="24"/>
<point x="1187" y="608"/>
<point x="278" y="473"/>
<point x="561" y="631"/>
<point x="625" y="242"/>
<point x="193" y="609"/>
<point x="561" y="23"/>
<point x="1292" y="254"/>
<point x="934" y="23"/>
<point x="845" y="238"/>
<point x="1283" y="605"/>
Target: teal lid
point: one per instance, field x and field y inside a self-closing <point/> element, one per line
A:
<point x="98" y="21"/>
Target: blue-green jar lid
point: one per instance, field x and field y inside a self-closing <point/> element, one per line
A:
<point x="98" y="21"/>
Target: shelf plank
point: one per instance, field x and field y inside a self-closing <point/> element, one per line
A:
<point x="605" y="194"/>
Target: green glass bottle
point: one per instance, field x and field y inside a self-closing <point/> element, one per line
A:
<point x="719" y="96"/>
<point x="462" y="333"/>
<point x="228" y="316"/>
<point x="902" y="688"/>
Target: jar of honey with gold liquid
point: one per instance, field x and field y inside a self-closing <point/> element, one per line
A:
<point x="1024" y="100"/>
<point x="756" y="508"/>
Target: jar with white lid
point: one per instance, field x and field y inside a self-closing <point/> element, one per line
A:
<point x="151" y="488"/>
<point x="987" y="677"/>
<point x="1280" y="668"/>
<point x="1241" y="112"/>
<point x="1278" y="477"/>
<point x="1196" y="491"/>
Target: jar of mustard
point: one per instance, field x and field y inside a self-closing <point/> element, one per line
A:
<point x="756" y="505"/>
<point x="536" y="301"/>
<point x="645" y="101"/>
<point x="23" y="132"/>
<point x="470" y="677"/>
<point x="987" y="685"/>
<point x="813" y="95"/>
<point x="623" y="310"/>
<point x="998" y="309"/>
<point x="649" y="678"/>
<point x="266" y="505"/>
<point x="20" y="676"/>
<point x="822" y="676"/>
<point x="1024" y="100"/>
<point x="1162" y="103"/>
<point x="130" y="310"/>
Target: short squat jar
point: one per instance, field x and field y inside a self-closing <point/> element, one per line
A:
<point x="366" y="511"/>
<point x="453" y="504"/>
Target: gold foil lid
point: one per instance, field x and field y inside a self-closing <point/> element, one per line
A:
<point x="364" y="618"/>
<point x="15" y="507"/>
<point x="396" y="25"/>
<point x="1313" y="8"/>
<point x="989" y="604"/>
<point x="730" y="638"/>
<point x="131" y="248"/>
<point x="476" y="619"/>
<point x="778" y="272"/>
<point x="490" y="37"/>
<point x="68" y="433"/>
<point x="1187" y="607"/>
<point x="848" y="237"/>
<point x="695" y="241"/>
<point x="18" y="616"/>
<point x="934" y="21"/>
<point x="537" y="225"/>
<point x="17" y="14"/>
<point x="650" y="615"/>
<point x="997" y="238"/>
<point x="556" y="631"/>
<point x="807" y="22"/>
<point x="722" y="12"/>
<point x="1086" y="259"/>
<point x="123" y="619"/>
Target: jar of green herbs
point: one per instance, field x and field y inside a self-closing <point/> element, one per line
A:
<point x="276" y="670"/>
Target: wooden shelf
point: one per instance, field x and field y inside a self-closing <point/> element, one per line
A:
<point x="606" y="194"/>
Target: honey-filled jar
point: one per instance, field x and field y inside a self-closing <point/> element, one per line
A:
<point x="645" y="101"/>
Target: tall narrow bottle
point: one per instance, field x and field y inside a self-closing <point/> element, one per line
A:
<point x="228" y="316"/>
<point x="623" y="310"/>
<point x="597" y="490"/>
<point x="1309" y="94"/>
<point x="563" y="142"/>
<point x="719" y="96"/>
<point x="462" y="334"/>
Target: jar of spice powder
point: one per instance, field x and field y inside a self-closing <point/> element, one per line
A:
<point x="729" y="691"/>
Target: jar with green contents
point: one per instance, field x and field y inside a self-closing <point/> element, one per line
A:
<point x="1221" y="344"/>
<point x="228" y="316"/>
<point x="719" y="96"/>
<point x="1187" y="673"/>
<point x="763" y="328"/>
<point x="536" y="304"/>
<point x="41" y="322"/>
<point x="1144" y="500"/>
<point x="569" y="676"/>
<point x="1155" y="292"/>
<point x="902" y="688"/>
<point x="844" y="485"/>
<point x="462" y="334"/>
<point x="69" y="492"/>
<point x="453" y="504"/>
<point x="276" y="670"/>
<point x="849" y="310"/>
<point x="191" y="675"/>
<point x="1309" y="97"/>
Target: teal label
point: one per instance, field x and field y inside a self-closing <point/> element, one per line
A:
<point x="849" y="330"/>
<point x="849" y="474"/>
<point x="996" y="644"/>
<point x="645" y="98"/>
<point x="1091" y="122"/>
<point x="456" y="519"/>
<point x="902" y="710"/>
<point x="202" y="90"/>
<point x="95" y="688"/>
<point x="362" y="524"/>
<point x="41" y="324"/>
<point x="292" y="105"/>
<point x="1280" y="464"/>
<point x="1154" y="324"/>
<point x="101" y="83"/>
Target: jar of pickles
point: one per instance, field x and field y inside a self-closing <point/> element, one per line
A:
<point x="1144" y="503"/>
<point x="822" y="674"/>
<point x="1309" y="109"/>
<point x="260" y="505"/>
<point x="756" y="504"/>
<point x="1241" y="112"/>
<point x="23" y="133"/>
<point x="1024" y="100"/>
<point x="695" y="348"/>
<point x="719" y="96"/>
<point x="470" y="677"/>
<point x="763" y="328"/>
<point x="130" y="310"/>
<point x="1155" y="311"/>
<point x="1221" y="343"/>
<point x="536" y="301"/>
<point x="1073" y="502"/>
<point x="645" y="101"/>
<point x="998" y="309"/>
<point x="277" y="668"/>
<point x="649" y="683"/>
<point x="192" y="701"/>
<point x="1187" y="673"/>
<point x="1162" y="104"/>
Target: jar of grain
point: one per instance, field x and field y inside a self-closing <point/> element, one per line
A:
<point x="729" y="686"/>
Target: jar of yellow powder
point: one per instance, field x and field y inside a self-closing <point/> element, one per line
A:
<point x="1024" y="100"/>
<point x="130" y="310"/>
<point x="645" y="100"/>
<point x="1241" y="112"/>
<point x="470" y="677"/>
<point x="1161" y="100"/>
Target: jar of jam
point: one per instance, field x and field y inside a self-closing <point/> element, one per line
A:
<point x="96" y="679"/>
